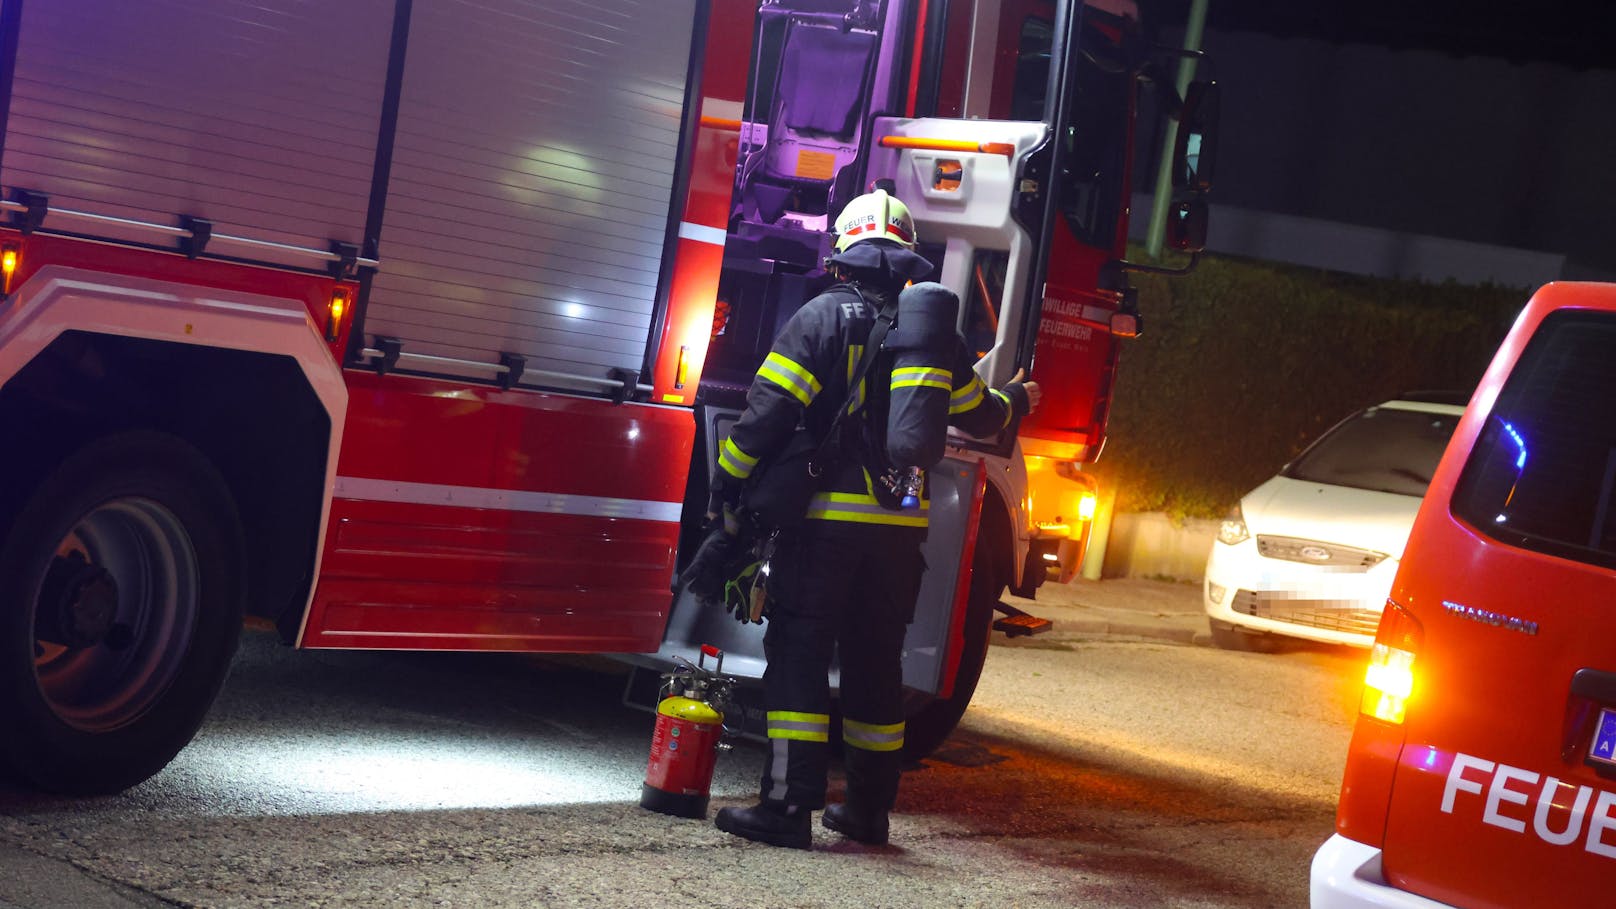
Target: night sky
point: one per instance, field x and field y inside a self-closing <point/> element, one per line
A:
<point x="1575" y="33"/>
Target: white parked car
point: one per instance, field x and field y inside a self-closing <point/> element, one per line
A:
<point x="1311" y="552"/>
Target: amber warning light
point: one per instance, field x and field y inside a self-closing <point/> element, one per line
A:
<point x="339" y="305"/>
<point x="1086" y="506"/>
<point x="10" y="257"/>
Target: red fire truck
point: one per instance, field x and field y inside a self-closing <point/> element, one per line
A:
<point x="414" y="324"/>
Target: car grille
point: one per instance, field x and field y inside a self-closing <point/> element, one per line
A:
<point x="1312" y="613"/>
<point x="1313" y="552"/>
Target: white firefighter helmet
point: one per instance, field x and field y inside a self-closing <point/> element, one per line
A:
<point x="875" y="216"/>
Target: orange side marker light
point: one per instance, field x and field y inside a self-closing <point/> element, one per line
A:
<point x="10" y="258"/>
<point x="339" y="305"/>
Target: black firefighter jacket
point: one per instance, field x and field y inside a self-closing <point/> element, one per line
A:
<point x="807" y="376"/>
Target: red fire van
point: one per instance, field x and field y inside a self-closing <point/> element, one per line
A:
<point x="1482" y="771"/>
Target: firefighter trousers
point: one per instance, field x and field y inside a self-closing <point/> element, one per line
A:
<point x="846" y="591"/>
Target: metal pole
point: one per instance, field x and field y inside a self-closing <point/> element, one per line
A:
<point x="1164" y="172"/>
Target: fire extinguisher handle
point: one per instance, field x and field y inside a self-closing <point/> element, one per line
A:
<point x="708" y="650"/>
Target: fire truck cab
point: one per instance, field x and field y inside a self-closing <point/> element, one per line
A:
<point x="408" y="324"/>
<point x="1033" y="245"/>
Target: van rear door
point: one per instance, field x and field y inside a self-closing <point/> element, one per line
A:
<point x="1505" y="792"/>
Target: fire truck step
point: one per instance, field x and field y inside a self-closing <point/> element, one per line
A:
<point x="1017" y="624"/>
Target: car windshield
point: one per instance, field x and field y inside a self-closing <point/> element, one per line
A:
<point x="1382" y="449"/>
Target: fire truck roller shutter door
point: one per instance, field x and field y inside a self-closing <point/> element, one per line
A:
<point x="922" y="344"/>
<point x="247" y="115"/>
<point x="529" y="199"/>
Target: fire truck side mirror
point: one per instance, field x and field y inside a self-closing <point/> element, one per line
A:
<point x="1195" y="152"/>
<point x="1186" y="225"/>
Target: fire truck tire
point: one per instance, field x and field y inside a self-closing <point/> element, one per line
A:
<point x="932" y="721"/>
<point x="121" y="592"/>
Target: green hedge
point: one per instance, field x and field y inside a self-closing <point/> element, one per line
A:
<point x="1241" y="364"/>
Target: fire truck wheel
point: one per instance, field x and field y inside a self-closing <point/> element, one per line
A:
<point x="123" y="581"/>
<point x="932" y="721"/>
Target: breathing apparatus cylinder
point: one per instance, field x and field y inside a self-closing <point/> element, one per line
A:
<point x="688" y="736"/>
<point x="923" y="344"/>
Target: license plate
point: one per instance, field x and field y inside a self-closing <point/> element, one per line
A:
<point x="1603" y="748"/>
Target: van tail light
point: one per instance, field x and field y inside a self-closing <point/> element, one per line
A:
<point x="1389" y="681"/>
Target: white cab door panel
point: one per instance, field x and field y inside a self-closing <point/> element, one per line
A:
<point x="973" y="211"/>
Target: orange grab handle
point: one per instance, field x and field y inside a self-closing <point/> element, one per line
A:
<point x="958" y="145"/>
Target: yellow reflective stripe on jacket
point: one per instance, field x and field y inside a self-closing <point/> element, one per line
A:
<point x="791" y="376"/>
<point x="855" y="353"/>
<point x="804" y="727"/>
<point x="1009" y="409"/>
<point x="922" y="376"/>
<point x="966" y="396"/>
<point x="735" y="462"/>
<point x="872" y="737"/>
<point x="863" y="509"/>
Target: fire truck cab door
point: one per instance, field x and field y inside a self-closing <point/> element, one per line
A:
<point x="1026" y="213"/>
<point x="966" y="200"/>
<point x="962" y="201"/>
<point x="1030" y="212"/>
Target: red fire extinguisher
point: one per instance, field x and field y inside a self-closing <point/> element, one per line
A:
<point x="689" y="734"/>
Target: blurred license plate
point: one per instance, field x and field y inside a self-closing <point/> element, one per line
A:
<point x="1603" y="747"/>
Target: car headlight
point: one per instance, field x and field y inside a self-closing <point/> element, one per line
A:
<point x="1233" y="529"/>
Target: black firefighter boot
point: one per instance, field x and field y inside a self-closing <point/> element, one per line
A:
<point x="774" y="823"/>
<point x="868" y="827"/>
<point x="872" y="788"/>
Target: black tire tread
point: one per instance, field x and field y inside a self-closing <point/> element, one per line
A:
<point x="35" y="745"/>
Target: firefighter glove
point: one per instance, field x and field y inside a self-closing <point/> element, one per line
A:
<point x="745" y="594"/>
<point x="709" y="568"/>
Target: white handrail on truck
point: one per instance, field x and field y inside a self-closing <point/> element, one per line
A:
<point x="371" y="353"/>
<point x="323" y="255"/>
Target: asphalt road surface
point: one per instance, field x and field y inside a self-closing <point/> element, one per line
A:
<point x="1091" y="771"/>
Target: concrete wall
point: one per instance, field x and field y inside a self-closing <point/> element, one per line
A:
<point x="1152" y="545"/>
<point x="1419" y="143"/>
<point x="1359" y="250"/>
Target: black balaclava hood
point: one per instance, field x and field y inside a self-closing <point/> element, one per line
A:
<point x="896" y="266"/>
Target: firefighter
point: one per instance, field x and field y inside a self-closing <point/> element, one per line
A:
<point x="846" y="580"/>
